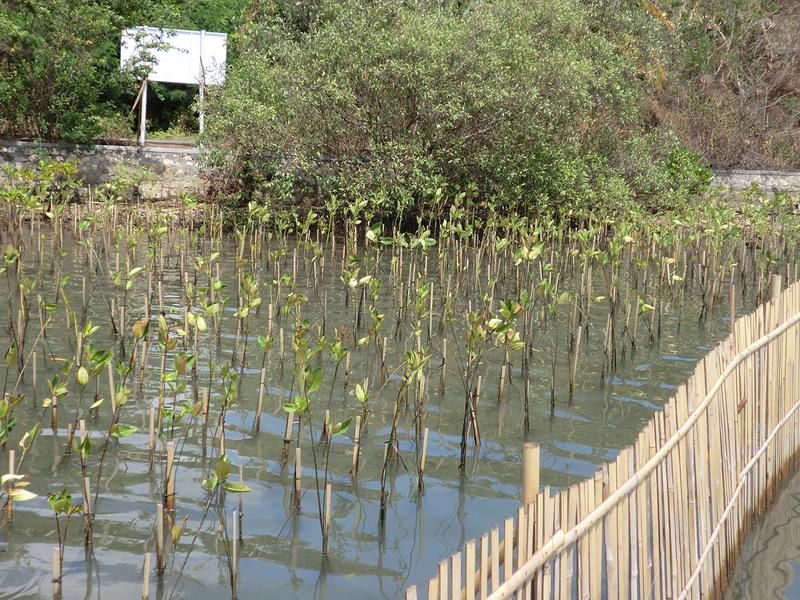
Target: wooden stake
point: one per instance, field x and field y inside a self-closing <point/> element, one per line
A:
<point x="260" y="406"/>
<point x="160" y="564"/>
<point x="56" y="573"/>
<point x="169" y="497"/>
<point x="298" y="468"/>
<point x="327" y="519"/>
<point x="146" y="577"/>
<point x="10" y="485"/>
<point x="356" y="447"/>
<point x="423" y="457"/>
<point x="151" y="441"/>
<point x="235" y="553"/>
<point x="530" y="472"/>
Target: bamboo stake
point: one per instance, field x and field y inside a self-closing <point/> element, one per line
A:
<point x="146" y="577"/>
<point x="327" y="519"/>
<point x="356" y="447"/>
<point x="298" y="468"/>
<point x="56" y="573"/>
<point x="151" y="442"/>
<point x="530" y="472"/>
<point x="160" y="564"/>
<point x="169" y="496"/>
<point x="259" y="407"/>
<point x="235" y="552"/>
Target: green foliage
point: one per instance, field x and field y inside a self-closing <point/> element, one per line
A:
<point x="59" y="63"/>
<point x="409" y="111"/>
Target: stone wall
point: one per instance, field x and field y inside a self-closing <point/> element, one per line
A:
<point x="176" y="169"/>
<point x="768" y="181"/>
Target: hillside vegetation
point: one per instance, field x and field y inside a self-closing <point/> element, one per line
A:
<point x="404" y="109"/>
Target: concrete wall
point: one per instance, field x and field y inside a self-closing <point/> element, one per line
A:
<point x="768" y="181"/>
<point x="176" y="169"/>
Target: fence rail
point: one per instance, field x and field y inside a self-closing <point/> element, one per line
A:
<point x="667" y="517"/>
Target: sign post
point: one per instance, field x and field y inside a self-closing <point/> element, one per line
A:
<point x="188" y="57"/>
<point x="143" y="113"/>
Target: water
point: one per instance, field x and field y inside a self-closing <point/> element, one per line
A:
<point x="769" y="563"/>
<point x="280" y="552"/>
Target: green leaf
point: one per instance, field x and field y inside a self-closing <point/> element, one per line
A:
<point x="235" y="486"/>
<point x="120" y="431"/>
<point x="222" y="468"/>
<point x="176" y="532"/>
<point x="313" y="380"/>
<point x="361" y="393"/>
<point x="341" y="427"/>
<point x="85" y="447"/>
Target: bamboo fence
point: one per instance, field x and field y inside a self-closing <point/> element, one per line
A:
<point x="665" y="519"/>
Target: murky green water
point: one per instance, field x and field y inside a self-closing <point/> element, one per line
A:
<point x="280" y="551"/>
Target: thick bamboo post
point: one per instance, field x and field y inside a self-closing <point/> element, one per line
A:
<point x="530" y="472"/>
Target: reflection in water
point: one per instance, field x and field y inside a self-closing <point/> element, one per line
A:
<point x="770" y="560"/>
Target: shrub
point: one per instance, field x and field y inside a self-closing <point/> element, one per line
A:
<point x="526" y="104"/>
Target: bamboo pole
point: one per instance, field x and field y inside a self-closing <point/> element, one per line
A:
<point x="298" y="472"/>
<point x="146" y="577"/>
<point x="235" y="552"/>
<point x="169" y="496"/>
<point x="530" y="472"/>
<point x="10" y="485"/>
<point x="56" y="572"/>
<point x="160" y="564"/>
<point x="356" y="447"/>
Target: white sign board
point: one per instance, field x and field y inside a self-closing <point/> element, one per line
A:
<point x="177" y="55"/>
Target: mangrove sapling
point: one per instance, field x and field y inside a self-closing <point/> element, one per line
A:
<point x="248" y="300"/>
<point x="414" y="363"/>
<point x="119" y="395"/>
<point x="336" y="429"/>
<point x="62" y="505"/>
<point x="13" y="488"/>
<point x="216" y="481"/>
